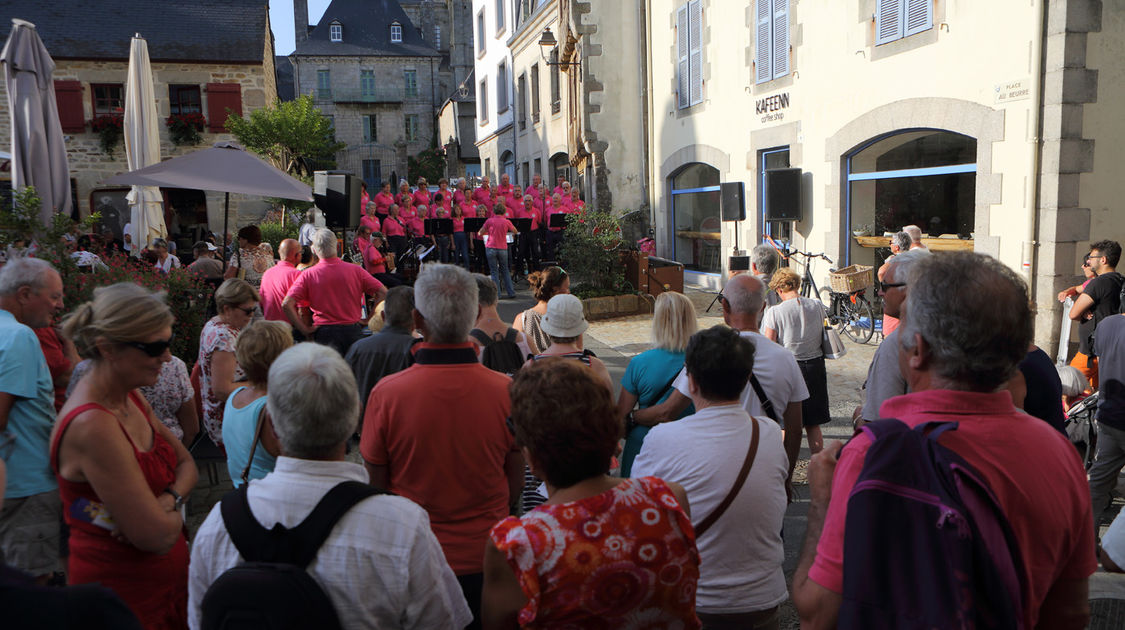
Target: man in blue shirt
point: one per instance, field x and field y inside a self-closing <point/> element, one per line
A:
<point x="31" y="292"/>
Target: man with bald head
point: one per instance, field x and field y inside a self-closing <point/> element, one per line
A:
<point x="775" y="369"/>
<point x="277" y="280"/>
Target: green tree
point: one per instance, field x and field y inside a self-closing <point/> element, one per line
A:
<point x="292" y="135"/>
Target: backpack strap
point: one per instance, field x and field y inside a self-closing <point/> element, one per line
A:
<point x="767" y="404"/>
<point x="512" y="335"/>
<point x="297" y="546"/>
<point x="480" y="336"/>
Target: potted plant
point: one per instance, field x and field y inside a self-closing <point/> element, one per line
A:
<point x="861" y="230"/>
<point x="109" y="128"/>
<point x="185" y="128"/>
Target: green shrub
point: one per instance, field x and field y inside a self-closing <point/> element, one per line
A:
<point x="591" y="254"/>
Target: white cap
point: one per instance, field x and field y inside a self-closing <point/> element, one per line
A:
<point x="564" y="317"/>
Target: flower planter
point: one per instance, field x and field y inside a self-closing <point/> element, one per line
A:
<point x="615" y="306"/>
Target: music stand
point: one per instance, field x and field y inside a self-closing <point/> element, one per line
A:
<point x="557" y="220"/>
<point x="438" y="227"/>
<point x="473" y="224"/>
<point x="523" y="225"/>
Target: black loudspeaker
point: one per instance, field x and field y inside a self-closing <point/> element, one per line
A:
<point x="337" y="194"/>
<point x="783" y="194"/>
<point x="739" y="263"/>
<point x="732" y="204"/>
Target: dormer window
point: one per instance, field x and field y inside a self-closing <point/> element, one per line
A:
<point x="336" y="32"/>
<point x="396" y="33"/>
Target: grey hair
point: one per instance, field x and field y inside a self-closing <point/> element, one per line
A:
<point x="487" y="294"/>
<point x="915" y="233"/>
<point x="312" y="400"/>
<point x="975" y="315"/>
<point x="24" y="271"/>
<point x="398" y="307"/>
<point x="902" y="239"/>
<point x="324" y="243"/>
<point x="765" y="259"/>
<point x="743" y="300"/>
<point x="446" y="296"/>
<point x="903" y="263"/>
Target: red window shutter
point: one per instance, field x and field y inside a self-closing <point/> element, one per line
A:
<point x="68" y="98"/>
<point x="220" y="98"/>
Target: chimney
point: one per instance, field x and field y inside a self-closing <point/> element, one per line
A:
<point x="301" y="20"/>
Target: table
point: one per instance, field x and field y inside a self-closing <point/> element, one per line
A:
<point x="936" y="244"/>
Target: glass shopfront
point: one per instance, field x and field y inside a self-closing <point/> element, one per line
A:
<point x="695" y="218"/>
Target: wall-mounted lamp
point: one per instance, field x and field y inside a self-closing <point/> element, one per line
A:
<point x="547" y="40"/>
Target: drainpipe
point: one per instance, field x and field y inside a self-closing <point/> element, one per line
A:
<point x="643" y="58"/>
<point x="1038" y="57"/>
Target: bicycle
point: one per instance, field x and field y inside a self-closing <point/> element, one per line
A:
<point x="849" y="312"/>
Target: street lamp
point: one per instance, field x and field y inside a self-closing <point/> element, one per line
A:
<point x="547" y="40"/>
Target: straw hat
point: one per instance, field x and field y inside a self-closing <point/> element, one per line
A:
<point x="564" y="317"/>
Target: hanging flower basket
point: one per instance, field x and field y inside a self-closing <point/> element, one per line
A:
<point x="110" y="131"/>
<point x="185" y="128"/>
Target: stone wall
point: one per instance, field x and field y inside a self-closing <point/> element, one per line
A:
<point x="90" y="165"/>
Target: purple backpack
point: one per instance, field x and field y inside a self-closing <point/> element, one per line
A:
<point x="926" y="544"/>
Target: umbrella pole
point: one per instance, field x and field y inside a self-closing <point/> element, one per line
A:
<point x="226" y="217"/>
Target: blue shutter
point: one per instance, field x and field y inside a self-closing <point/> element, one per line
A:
<point x="780" y="38"/>
<point x="682" y="85"/>
<point x="695" y="51"/>
<point x="919" y="16"/>
<point x="888" y="21"/>
<point x="763" y="68"/>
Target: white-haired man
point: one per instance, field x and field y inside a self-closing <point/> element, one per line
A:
<point x="334" y="291"/>
<point x="436" y="432"/>
<point x="381" y="565"/>
<point x="31" y="292"/>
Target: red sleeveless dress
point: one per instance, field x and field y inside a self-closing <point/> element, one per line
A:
<point x="153" y="586"/>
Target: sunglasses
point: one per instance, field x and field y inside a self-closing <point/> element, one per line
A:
<point x="885" y="286"/>
<point x="151" y="348"/>
<point x="249" y="311"/>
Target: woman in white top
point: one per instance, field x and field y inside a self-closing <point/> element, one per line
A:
<point x="798" y="324"/>
<point x="165" y="262"/>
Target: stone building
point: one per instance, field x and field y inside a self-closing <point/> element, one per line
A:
<point x="207" y="56"/>
<point x="378" y="76"/>
<point x="994" y="126"/>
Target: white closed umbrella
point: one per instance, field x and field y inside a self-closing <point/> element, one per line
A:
<point x="142" y="146"/>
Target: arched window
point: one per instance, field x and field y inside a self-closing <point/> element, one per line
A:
<point x="695" y="217"/>
<point x="923" y="177"/>
<point x="508" y="165"/>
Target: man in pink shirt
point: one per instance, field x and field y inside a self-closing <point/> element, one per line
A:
<point x="561" y="187"/>
<point x="528" y="252"/>
<point x="505" y="187"/>
<point x="483" y="194"/>
<point x="554" y="234"/>
<point x="575" y="203"/>
<point x="334" y="291"/>
<point x="959" y="344"/>
<point x="533" y="190"/>
<point x="277" y="279"/>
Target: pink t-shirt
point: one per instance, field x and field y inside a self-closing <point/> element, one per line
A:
<point x="374" y="261"/>
<point x="553" y="210"/>
<point x="383" y="201"/>
<point x="523" y="213"/>
<point x="275" y="285"/>
<point x="1032" y="469"/>
<point x="458" y="224"/>
<point x="497" y="228"/>
<point x="481" y="196"/>
<point x="422" y="197"/>
<point x="370" y="222"/>
<point x="559" y="191"/>
<point x="363" y="201"/>
<point x="394" y="227"/>
<point x="459" y="197"/>
<point x="334" y="291"/>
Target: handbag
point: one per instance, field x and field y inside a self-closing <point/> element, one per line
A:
<point x="831" y="345"/>
<point x="706" y="523"/>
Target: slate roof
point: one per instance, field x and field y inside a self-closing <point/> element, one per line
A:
<point x="283" y="70"/>
<point x="177" y="30"/>
<point x="366" y="31"/>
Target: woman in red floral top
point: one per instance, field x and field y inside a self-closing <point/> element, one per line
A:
<point x="602" y="552"/>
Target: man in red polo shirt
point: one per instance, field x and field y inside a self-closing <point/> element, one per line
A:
<point x="334" y="291"/>
<point x="435" y="433"/>
<point x="483" y="194"/>
<point x="505" y="187"/>
<point x="959" y="343"/>
<point x="277" y="280"/>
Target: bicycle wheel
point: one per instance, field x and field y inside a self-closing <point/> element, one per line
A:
<point x="856" y="319"/>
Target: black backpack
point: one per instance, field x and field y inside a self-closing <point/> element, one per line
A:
<point x="501" y="355"/>
<point x="271" y="589"/>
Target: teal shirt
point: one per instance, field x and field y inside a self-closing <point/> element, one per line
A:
<point x="648" y="377"/>
<point x="24" y="375"/>
<point x="239" y="426"/>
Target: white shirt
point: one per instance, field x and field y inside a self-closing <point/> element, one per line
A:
<point x="777" y="371"/>
<point x="169" y="263"/>
<point x="382" y="567"/>
<point x="741" y="555"/>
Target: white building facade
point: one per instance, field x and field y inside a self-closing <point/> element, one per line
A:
<point x="492" y="77"/>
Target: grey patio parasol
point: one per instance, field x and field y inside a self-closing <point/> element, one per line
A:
<point x="225" y="167"/>
<point x="38" y="149"/>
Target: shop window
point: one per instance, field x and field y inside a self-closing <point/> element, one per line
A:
<point x="689" y="53"/>
<point x="771" y="60"/>
<point x="895" y="19"/>
<point x="695" y="217"/>
<point x="185" y="99"/>
<point x="923" y="177"/>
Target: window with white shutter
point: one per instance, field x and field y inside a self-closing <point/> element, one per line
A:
<point x="771" y="27"/>
<point x="689" y="54"/>
<point x="895" y="19"/>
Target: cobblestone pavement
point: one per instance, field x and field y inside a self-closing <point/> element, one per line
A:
<point x="618" y="340"/>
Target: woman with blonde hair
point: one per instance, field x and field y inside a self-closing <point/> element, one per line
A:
<point x="251" y="447"/>
<point x="798" y="324"/>
<point x="122" y="475"/>
<point x="235" y="301"/>
<point x="648" y="378"/>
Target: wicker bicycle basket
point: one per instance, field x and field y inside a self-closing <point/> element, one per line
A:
<point x="851" y="278"/>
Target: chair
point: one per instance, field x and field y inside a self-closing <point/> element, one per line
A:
<point x="709" y="254"/>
